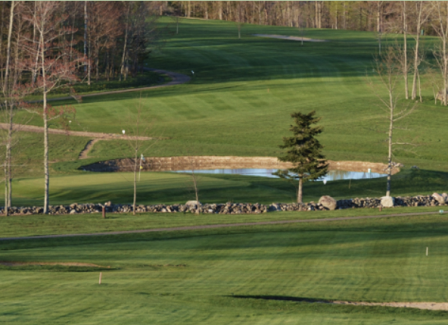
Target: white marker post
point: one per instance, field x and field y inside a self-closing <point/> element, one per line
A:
<point x="101" y="276"/>
<point x="426" y="251"/>
<point x="123" y="131"/>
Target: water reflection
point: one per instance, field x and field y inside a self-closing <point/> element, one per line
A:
<point x="332" y="175"/>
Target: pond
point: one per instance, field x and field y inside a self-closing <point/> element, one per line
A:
<point x="332" y="175"/>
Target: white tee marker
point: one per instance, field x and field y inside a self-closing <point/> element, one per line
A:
<point x="325" y="181"/>
<point x="192" y="72"/>
<point x="123" y="131"/>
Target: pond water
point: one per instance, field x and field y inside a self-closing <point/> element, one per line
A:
<point x="332" y="175"/>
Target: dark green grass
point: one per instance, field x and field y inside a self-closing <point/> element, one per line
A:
<point x="193" y="277"/>
<point x="18" y="226"/>
<point x="141" y="79"/>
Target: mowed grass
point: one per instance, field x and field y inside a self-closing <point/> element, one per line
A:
<point x="243" y="92"/>
<point x="19" y="226"/>
<point x="170" y="188"/>
<point x="194" y="277"/>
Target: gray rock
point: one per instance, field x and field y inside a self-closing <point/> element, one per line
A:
<point x="387" y="201"/>
<point x="328" y="202"/>
<point x="193" y="203"/>
<point x="439" y="198"/>
<point x="73" y="212"/>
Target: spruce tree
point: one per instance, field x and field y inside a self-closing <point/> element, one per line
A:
<point x="304" y="151"/>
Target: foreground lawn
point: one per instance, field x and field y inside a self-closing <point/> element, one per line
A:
<point x="194" y="277"/>
<point x="16" y="226"/>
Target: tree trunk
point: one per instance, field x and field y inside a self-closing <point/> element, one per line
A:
<point x="405" y="52"/>
<point x="8" y="108"/>
<point x="391" y="128"/>
<point x="135" y="182"/>
<point x="299" y="190"/>
<point x="124" y="46"/>
<point x="97" y="63"/>
<point x="85" y="34"/>
<point x="220" y="10"/>
<point x="45" y="120"/>
<point x="416" y="49"/>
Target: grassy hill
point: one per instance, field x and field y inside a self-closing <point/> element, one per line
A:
<point x="240" y="99"/>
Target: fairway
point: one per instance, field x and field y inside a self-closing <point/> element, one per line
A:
<point x="194" y="277"/>
<point x="243" y="91"/>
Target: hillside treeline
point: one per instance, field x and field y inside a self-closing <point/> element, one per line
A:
<point x="114" y="37"/>
<point x="351" y="15"/>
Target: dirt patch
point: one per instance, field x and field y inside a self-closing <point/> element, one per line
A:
<point x="418" y="305"/>
<point x="226" y="162"/>
<point x="291" y="38"/>
<point x="88" y="147"/>
<point x="8" y="263"/>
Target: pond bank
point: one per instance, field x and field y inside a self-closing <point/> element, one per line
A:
<point x="223" y="162"/>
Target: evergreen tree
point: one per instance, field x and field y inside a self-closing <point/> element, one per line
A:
<point x="304" y="151"/>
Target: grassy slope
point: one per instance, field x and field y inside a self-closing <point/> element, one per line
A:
<point x="238" y="103"/>
<point x="243" y="91"/>
<point x="190" y="278"/>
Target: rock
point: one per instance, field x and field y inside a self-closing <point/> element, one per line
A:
<point x="328" y="202"/>
<point x="387" y="201"/>
<point x="73" y="212"/>
<point x="108" y="204"/>
<point x="439" y="198"/>
<point x="193" y="204"/>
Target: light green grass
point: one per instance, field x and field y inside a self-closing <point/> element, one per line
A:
<point x="192" y="277"/>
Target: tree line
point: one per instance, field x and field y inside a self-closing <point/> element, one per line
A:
<point x="350" y="15"/>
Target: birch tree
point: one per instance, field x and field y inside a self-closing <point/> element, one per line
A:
<point x="422" y="12"/>
<point x="388" y="71"/>
<point x="440" y="25"/>
<point x="52" y="51"/>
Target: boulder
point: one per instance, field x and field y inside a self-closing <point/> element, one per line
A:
<point x="387" y="201"/>
<point x="193" y="203"/>
<point x="328" y="202"/>
<point x="439" y="198"/>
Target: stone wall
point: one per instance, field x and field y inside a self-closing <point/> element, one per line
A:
<point x="229" y="207"/>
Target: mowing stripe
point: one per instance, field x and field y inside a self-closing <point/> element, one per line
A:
<point x="261" y="223"/>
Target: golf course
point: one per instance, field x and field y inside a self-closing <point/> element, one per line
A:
<point x="237" y="102"/>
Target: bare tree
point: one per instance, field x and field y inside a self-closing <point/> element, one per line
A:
<point x="139" y="145"/>
<point x="52" y="51"/>
<point x="422" y="13"/>
<point x="405" y="49"/>
<point x="388" y="70"/>
<point x="440" y="25"/>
